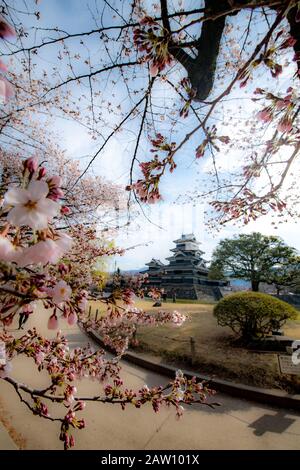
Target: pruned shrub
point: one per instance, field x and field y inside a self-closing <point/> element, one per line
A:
<point x="253" y="314"/>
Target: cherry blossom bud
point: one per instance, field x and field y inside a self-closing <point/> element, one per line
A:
<point x="81" y="424"/>
<point x="39" y="357"/>
<point x="285" y="125"/>
<point x="53" y="322"/>
<point x="54" y="181"/>
<point x="6" y="90"/>
<point x="6" y="30"/>
<point x="80" y="405"/>
<point x="42" y="172"/>
<point x="265" y="115"/>
<point x="72" y="318"/>
<point x="153" y="70"/>
<point x="65" y="210"/>
<point x="31" y="164"/>
<point x="3" y="67"/>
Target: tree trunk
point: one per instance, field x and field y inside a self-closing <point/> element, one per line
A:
<point x="255" y="285"/>
<point x="278" y="289"/>
<point x="202" y="73"/>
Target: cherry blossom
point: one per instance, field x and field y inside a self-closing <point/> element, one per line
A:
<point x="61" y="292"/>
<point x="8" y="251"/>
<point x="45" y="251"/>
<point x="6" y="89"/>
<point x="52" y="325"/>
<point x="6" y="30"/>
<point x="265" y="115"/>
<point x="31" y="206"/>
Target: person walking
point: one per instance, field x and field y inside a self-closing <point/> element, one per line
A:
<point x="24" y="315"/>
<point x="21" y="320"/>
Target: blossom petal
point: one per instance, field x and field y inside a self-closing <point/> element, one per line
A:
<point x="42" y="252"/>
<point x="6" y="30"/>
<point x="20" y="216"/>
<point x="37" y="190"/>
<point x="36" y="220"/>
<point x="64" y="243"/>
<point x="17" y="216"/>
<point x="15" y="196"/>
<point x="49" y="208"/>
<point x="3" y="67"/>
<point x="6" y="90"/>
<point x="6" y="248"/>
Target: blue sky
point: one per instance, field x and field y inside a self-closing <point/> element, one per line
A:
<point x="167" y="220"/>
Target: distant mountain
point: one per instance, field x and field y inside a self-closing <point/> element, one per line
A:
<point x="133" y="271"/>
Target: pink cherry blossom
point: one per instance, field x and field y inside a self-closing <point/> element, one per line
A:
<point x="265" y="115"/>
<point x="178" y="318"/>
<point x="8" y="251"/>
<point x="61" y="292"/>
<point x="72" y="318"/>
<point x="31" y="206"/>
<point x="55" y="192"/>
<point x="64" y="243"/>
<point x="153" y="70"/>
<point x="6" y="90"/>
<point x="82" y="304"/>
<point x="54" y="181"/>
<point x="3" y="67"/>
<point x="45" y="251"/>
<point x="65" y="210"/>
<point x="284" y="103"/>
<point x="6" y="31"/>
<point x="31" y="164"/>
<point x="53" y="322"/>
<point x="285" y="125"/>
<point x="39" y="357"/>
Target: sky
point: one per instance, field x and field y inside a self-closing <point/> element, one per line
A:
<point x="151" y="234"/>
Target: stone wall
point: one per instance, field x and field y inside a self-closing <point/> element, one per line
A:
<point x="196" y="292"/>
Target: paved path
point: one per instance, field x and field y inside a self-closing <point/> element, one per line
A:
<point x="6" y="442"/>
<point x="237" y="424"/>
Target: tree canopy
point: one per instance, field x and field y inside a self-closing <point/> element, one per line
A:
<point x="252" y="257"/>
<point x="286" y="275"/>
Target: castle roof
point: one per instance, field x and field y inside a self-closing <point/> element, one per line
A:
<point x="185" y="238"/>
<point x="155" y="262"/>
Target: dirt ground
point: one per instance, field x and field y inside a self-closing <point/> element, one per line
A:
<point x="214" y="351"/>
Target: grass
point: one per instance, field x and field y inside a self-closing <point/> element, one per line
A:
<point x="216" y="353"/>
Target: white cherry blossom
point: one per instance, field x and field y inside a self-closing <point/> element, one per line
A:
<point x="8" y="251"/>
<point x="61" y="292"/>
<point x="31" y="206"/>
<point x="46" y="251"/>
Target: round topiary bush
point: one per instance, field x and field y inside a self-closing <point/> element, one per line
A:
<point x="253" y="314"/>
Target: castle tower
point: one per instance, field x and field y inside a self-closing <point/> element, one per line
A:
<point x="186" y="274"/>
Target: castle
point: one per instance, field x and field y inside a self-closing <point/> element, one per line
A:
<point x="186" y="274"/>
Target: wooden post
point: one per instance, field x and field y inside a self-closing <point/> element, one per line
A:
<point x="193" y="348"/>
<point x="90" y="311"/>
<point x="96" y="314"/>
